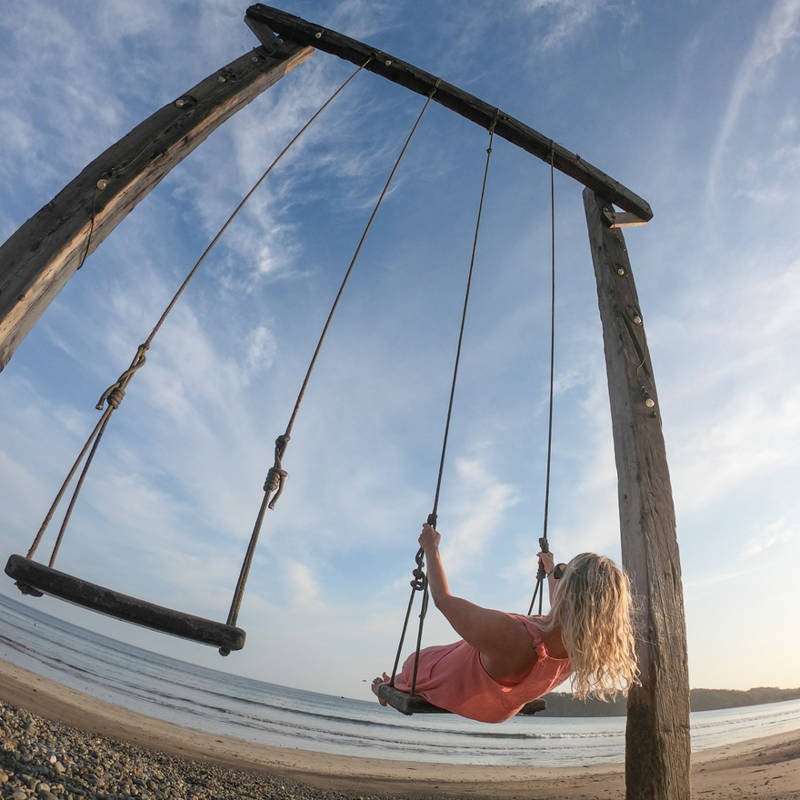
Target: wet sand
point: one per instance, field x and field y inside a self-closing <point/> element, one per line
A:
<point x="767" y="768"/>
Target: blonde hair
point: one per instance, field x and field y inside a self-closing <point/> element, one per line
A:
<point x="592" y="607"/>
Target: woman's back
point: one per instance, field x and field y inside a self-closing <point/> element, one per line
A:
<point x="454" y="678"/>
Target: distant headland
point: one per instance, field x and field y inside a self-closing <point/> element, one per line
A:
<point x="561" y="704"/>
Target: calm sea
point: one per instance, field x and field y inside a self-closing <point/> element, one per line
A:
<point x="217" y="702"/>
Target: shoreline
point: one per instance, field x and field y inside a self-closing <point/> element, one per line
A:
<point x="768" y="767"/>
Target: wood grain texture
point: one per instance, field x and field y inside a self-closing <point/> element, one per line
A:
<point x="267" y="22"/>
<point x="657" y="761"/>
<point x="414" y="704"/>
<point x="122" y="606"/>
<point x="406" y="703"/>
<point x="40" y="257"/>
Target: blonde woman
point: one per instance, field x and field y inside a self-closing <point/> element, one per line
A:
<point x="506" y="660"/>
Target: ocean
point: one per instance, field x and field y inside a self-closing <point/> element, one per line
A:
<point x="221" y="703"/>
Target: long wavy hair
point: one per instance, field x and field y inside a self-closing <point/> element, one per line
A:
<point x="593" y="608"/>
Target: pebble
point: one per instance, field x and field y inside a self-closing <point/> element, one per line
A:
<point x="44" y="760"/>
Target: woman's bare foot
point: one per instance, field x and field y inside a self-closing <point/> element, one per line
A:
<point x="377" y="683"/>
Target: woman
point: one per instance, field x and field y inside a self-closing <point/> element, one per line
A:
<point x="506" y="660"/>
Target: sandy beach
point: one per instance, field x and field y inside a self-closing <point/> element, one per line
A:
<point x="767" y="768"/>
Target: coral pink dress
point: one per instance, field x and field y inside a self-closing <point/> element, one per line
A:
<point x="452" y="677"/>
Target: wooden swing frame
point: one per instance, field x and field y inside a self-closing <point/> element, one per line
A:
<point x="40" y="257"/>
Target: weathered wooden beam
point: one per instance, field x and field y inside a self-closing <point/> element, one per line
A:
<point x="621" y="219"/>
<point x="37" y="260"/>
<point x="37" y="579"/>
<point x="657" y="739"/>
<point x="268" y="23"/>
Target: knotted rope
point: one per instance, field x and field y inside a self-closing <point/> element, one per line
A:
<point x="543" y="543"/>
<point x="276" y="476"/>
<point x="115" y="393"/>
<point x="419" y="582"/>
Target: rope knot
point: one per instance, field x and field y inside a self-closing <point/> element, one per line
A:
<point x="274" y="480"/>
<point x="420" y="580"/>
<point x="114" y="394"/>
<point x="114" y="398"/>
<point x="277" y="475"/>
<point x="280" y="446"/>
<point x="274" y="483"/>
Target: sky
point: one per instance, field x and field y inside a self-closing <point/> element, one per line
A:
<point x="693" y="105"/>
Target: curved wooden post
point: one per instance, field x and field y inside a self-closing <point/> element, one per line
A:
<point x="657" y="747"/>
<point x="41" y="256"/>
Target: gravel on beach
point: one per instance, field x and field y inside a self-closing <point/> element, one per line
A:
<point x="49" y="761"/>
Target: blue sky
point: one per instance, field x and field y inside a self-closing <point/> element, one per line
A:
<point x="693" y="105"/>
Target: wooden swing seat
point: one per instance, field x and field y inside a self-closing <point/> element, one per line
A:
<point x="406" y="703"/>
<point x="35" y="578"/>
<point x="409" y="704"/>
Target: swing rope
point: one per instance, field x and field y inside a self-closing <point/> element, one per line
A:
<point x="115" y="393"/>
<point x="543" y="543"/>
<point x="420" y="579"/>
<point x="276" y="476"/>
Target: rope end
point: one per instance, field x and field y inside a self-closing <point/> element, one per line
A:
<point x="274" y="483"/>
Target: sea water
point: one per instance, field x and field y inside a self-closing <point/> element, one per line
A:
<point x="221" y="703"/>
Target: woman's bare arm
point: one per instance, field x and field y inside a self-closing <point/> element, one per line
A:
<point x="502" y="640"/>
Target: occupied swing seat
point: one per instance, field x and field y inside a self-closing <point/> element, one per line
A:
<point x="36" y="579"/>
<point x="409" y="704"/>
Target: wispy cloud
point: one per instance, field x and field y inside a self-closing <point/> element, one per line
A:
<point x="302" y="585"/>
<point x="480" y="503"/>
<point x="788" y="125"/>
<point x="716" y="578"/>
<point x="361" y="18"/>
<point x="564" y="20"/>
<point x="751" y="403"/>
<point x="788" y="158"/>
<point x="747" y="440"/>
<point x="776" y="533"/>
<point x="771" y="40"/>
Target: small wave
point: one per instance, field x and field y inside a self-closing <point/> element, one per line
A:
<point x="217" y="702"/>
